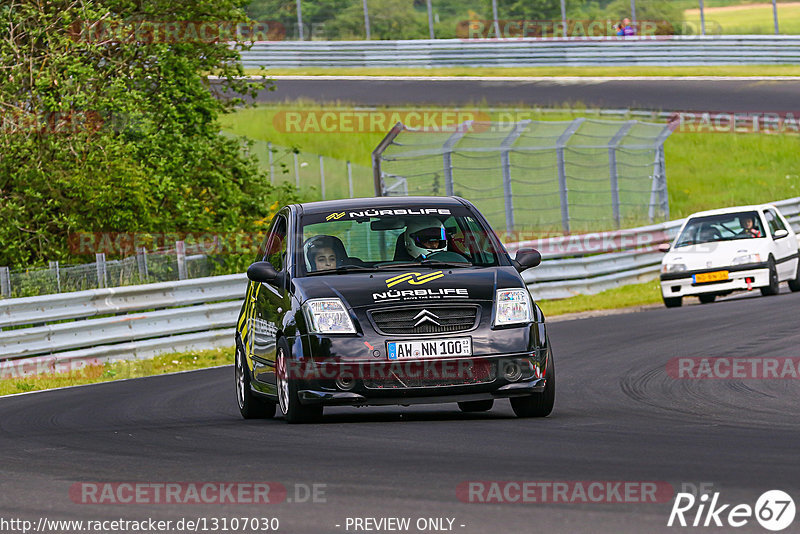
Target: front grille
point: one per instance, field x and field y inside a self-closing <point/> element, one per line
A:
<point x="425" y="319"/>
<point x="432" y="374"/>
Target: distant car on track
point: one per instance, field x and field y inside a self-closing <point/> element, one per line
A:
<point x="721" y="251"/>
<point x="384" y="301"/>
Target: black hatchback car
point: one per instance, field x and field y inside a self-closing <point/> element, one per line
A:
<point x="395" y="300"/>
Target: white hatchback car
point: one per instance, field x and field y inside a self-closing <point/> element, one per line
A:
<point x="721" y="251"/>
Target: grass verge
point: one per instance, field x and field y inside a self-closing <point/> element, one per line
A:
<point x="165" y="363"/>
<point x="730" y="70"/>
<point x="619" y="297"/>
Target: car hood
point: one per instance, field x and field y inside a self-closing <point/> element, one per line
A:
<point x="719" y="254"/>
<point x="408" y="286"/>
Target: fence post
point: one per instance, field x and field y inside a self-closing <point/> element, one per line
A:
<point x="505" y="160"/>
<point x="366" y="20"/>
<point x="775" y="15"/>
<point x="702" y="18"/>
<point x="100" y="260"/>
<point x="5" y="282"/>
<point x="300" y="19"/>
<point x="612" y="168"/>
<point x="180" y="252"/>
<point x="447" y="154"/>
<point x="350" y="178"/>
<point x="561" y="143"/>
<point x="271" y="164"/>
<point x="658" y="189"/>
<point x="322" y="176"/>
<point x="430" y="20"/>
<point x="54" y="267"/>
<point x="377" y="173"/>
<point x="296" y="172"/>
<point x="141" y="263"/>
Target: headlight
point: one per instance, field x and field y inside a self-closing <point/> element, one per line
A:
<point x="673" y="267"/>
<point x="512" y="306"/>
<point x="746" y="258"/>
<point x="328" y="316"/>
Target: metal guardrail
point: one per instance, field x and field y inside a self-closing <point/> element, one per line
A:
<point x="62" y="331"/>
<point x="41" y="334"/>
<point x="660" y="51"/>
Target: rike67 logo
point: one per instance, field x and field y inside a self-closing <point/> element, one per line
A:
<point x="774" y="510"/>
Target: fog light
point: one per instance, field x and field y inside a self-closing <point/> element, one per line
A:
<point x="345" y="383"/>
<point x="512" y="371"/>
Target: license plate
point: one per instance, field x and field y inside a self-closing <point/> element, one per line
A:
<point x="716" y="276"/>
<point x="429" y="348"/>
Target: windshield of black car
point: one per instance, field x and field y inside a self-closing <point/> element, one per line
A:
<point x="724" y="227"/>
<point x="358" y="240"/>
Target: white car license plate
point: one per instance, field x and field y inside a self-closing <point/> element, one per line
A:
<point x="432" y="348"/>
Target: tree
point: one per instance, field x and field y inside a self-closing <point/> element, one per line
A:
<point x="106" y="129"/>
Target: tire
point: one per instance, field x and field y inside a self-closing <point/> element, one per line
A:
<point x="250" y="405"/>
<point x="476" y="406"/>
<point x="538" y="404"/>
<point x="773" y="288"/>
<point x="673" y="302"/>
<point x="707" y="298"/>
<point x="288" y="400"/>
<point x="794" y="285"/>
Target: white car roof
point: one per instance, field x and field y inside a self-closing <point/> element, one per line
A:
<point x="734" y="209"/>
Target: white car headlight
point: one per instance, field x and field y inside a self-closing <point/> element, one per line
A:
<point x="673" y="267"/>
<point x="746" y="258"/>
<point x="328" y="316"/>
<point x="512" y="306"/>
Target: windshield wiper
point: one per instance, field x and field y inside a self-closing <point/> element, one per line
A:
<point x="343" y="269"/>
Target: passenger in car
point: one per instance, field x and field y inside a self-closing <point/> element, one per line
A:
<point x="324" y="253"/>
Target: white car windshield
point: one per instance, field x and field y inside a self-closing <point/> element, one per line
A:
<point x="725" y="227"/>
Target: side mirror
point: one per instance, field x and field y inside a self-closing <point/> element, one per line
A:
<point x="663" y="247"/>
<point x="527" y="258"/>
<point x="780" y="233"/>
<point x="262" y="271"/>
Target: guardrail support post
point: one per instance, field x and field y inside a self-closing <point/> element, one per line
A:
<point x="561" y="143"/>
<point x="612" y="168"/>
<point x="447" y="155"/>
<point x="54" y="267"/>
<point x="100" y="260"/>
<point x="296" y="171"/>
<point x="5" y="282"/>
<point x="350" y="178"/>
<point x="322" y="176"/>
<point x="271" y="164"/>
<point x="180" y="252"/>
<point x="505" y="163"/>
<point x="141" y="263"/>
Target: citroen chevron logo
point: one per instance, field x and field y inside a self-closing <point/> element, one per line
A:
<point x="415" y="279"/>
<point x="335" y="216"/>
<point x="424" y="316"/>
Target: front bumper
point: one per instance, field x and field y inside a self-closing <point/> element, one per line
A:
<point x="682" y="284"/>
<point x="349" y="398"/>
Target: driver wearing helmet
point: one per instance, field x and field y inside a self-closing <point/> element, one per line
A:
<point x="748" y="226"/>
<point x="425" y="236"/>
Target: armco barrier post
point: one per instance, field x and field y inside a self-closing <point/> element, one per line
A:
<point x="54" y="267"/>
<point x="5" y="282"/>
<point x="180" y="252"/>
<point x="350" y="178"/>
<point x="271" y="164"/>
<point x="296" y="172"/>
<point x="100" y="261"/>
<point x="322" y="176"/>
<point x="141" y="263"/>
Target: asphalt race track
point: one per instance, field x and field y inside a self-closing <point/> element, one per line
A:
<point x="618" y="417"/>
<point x="667" y="95"/>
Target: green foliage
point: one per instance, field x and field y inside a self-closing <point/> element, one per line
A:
<point x="107" y="134"/>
